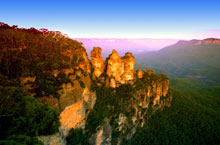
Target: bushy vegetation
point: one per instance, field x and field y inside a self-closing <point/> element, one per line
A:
<point x="77" y="137"/>
<point x="111" y="102"/>
<point x="23" y="116"/>
<point x="108" y="104"/>
<point x="27" y="52"/>
<point x="49" y="85"/>
<point x="21" y="140"/>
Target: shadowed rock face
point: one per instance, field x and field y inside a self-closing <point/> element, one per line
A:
<point x="97" y="61"/>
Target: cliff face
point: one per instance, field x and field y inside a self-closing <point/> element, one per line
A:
<point x="77" y="99"/>
<point x="150" y="94"/>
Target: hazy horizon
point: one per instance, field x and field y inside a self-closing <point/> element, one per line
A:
<point x="123" y="45"/>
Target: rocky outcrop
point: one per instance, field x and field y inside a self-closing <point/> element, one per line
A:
<point x="208" y="41"/>
<point x="97" y="61"/>
<point x="139" y="73"/>
<point x="119" y="70"/>
<point x="158" y="84"/>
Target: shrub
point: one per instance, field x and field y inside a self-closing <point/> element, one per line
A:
<point x="77" y="137"/>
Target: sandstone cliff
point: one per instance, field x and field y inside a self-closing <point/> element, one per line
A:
<point x="150" y="93"/>
<point x="77" y="98"/>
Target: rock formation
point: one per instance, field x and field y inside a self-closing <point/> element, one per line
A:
<point x="97" y="61"/>
<point x="119" y="70"/>
<point x="208" y="41"/>
<point x="129" y="63"/>
<point x="76" y="98"/>
<point x="115" y="66"/>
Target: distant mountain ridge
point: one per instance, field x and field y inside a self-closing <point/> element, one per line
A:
<point x="123" y="45"/>
<point x="200" y="42"/>
<point x="195" y="58"/>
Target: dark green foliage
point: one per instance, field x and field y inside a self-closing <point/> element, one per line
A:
<point x="46" y="85"/>
<point x="63" y="78"/>
<point x="82" y="84"/>
<point x="30" y="117"/>
<point x="139" y="84"/>
<point x="49" y="85"/>
<point x="107" y="105"/>
<point x="21" y="114"/>
<point x="83" y="72"/>
<point x="66" y="65"/>
<point x="10" y="92"/>
<point x="81" y="59"/>
<point x="77" y="137"/>
<point x="55" y="66"/>
<point x="147" y="79"/>
<point x="194" y="85"/>
<point x="20" y="140"/>
<point x="192" y="119"/>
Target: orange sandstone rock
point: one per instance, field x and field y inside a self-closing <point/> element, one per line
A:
<point x="97" y="61"/>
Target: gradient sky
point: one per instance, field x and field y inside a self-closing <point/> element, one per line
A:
<point x="178" y="19"/>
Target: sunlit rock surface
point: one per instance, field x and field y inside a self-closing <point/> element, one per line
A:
<point x="121" y="69"/>
<point x="129" y="63"/>
<point x="97" y="61"/>
<point x="74" y="116"/>
<point x="208" y="41"/>
<point x="114" y="66"/>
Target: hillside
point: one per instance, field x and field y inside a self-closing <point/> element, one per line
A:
<point x="50" y="91"/>
<point x="198" y="59"/>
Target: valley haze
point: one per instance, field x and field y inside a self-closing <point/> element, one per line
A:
<point x="123" y="45"/>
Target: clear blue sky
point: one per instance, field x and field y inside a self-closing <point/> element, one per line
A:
<point x="181" y="19"/>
